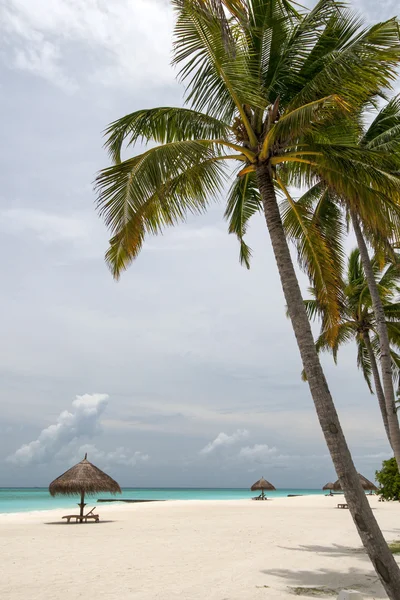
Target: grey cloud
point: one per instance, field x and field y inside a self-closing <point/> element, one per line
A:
<point x="40" y="37"/>
<point x="258" y="453"/>
<point x="120" y="456"/>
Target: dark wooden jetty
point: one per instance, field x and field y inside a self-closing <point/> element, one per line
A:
<point x="126" y="500"/>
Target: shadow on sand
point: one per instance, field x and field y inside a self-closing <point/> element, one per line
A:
<point x="332" y="580"/>
<point x="334" y="550"/>
<point x="88" y="524"/>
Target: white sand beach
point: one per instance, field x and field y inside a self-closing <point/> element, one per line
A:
<point x="214" y="550"/>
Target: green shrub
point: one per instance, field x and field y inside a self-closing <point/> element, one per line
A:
<point x="394" y="547"/>
<point x="389" y="480"/>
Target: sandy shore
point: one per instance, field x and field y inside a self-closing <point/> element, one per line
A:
<point x="191" y="550"/>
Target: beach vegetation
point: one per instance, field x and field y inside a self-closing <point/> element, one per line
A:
<point x="395" y="547"/>
<point x="389" y="480"/>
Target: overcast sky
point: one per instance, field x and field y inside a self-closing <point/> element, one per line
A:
<point x="186" y="372"/>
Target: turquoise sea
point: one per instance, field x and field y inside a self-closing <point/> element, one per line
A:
<point x="29" y="499"/>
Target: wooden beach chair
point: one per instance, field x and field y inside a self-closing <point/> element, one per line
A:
<point x="82" y="518"/>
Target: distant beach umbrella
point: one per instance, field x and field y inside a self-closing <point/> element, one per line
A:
<point x="329" y="486"/>
<point x="366" y="484"/>
<point x="262" y="484"/>
<point x="83" y="478"/>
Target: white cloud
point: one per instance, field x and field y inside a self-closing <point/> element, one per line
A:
<point x="223" y="439"/>
<point x="119" y="456"/>
<point x="258" y="453"/>
<point x="83" y="420"/>
<point x="43" y="37"/>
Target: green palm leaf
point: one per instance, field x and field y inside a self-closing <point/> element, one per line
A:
<point x="167" y="204"/>
<point x="299" y="121"/>
<point x="243" y="202"/>
<point x="364" y="361"/>
<point x="162" y="125"/>
<point x="316" y="257"/>
<point x="218" y="81"/>
<point x="360" y="62"/>
<point x="384" y="132"/>
<point x="126" y="186"/>
<point x="357" y="318"/>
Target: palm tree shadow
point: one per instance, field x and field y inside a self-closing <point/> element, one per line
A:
<point x="332" y="580"/>
<point x="333" y="550"/>
<point x="89" y="523"/>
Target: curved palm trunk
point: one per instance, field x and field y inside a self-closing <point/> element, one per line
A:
<point x="361" y="512"/>
<point x="377" y="380"/>
<point x="386" y="361"/>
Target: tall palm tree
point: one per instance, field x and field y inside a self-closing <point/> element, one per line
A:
<point x="374" y="216"/>
<point x="383" y="134"/>
<point x="358" y="321"/>
<point x="263" y="82"/>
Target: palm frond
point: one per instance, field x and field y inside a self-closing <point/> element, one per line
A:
<point x="243" y="202"/>
<point x="393" y="328"/>
<point x="162" y="125"/>
<point x="127" y="185"/>
<point x="218" y="82"/>
<point x="313" y="309"/>
<point x="384" y="132"/>
<point x="155" y="190"/>
<point x="392" y="311"/>
<point x="361" y="62"/>
<point x="285" y="80"/>
<point x="364" y="361"/>
<point x="315" y="257"/>
<point x="395" y="358"/>
<point x="295" y="123"/>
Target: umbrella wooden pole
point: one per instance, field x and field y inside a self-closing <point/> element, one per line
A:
<point x="82" y="503"/>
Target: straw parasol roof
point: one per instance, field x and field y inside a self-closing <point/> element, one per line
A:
<point x="366" y="484"/>
<point x="262" y="484"/>
<point x="329" y="486"/>
<point x="83" y="478"/>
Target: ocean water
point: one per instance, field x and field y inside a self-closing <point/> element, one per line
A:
<point x="31" y="499"/>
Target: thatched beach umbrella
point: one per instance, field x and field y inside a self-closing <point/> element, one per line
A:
<point x="366" y="484"/>
<point x="262" y="484"/>
<point x="329" y="486"/>
<point x="83" y="478"/>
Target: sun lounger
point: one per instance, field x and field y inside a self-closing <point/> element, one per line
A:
<point x="342" y="506"/>
<point x="82" y="518"/>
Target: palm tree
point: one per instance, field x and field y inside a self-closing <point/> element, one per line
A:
<point x="383" y="134"/>
<point x="358" y="322"/>
<point x="263" y="83"/>
<point x="375" y="217"/>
